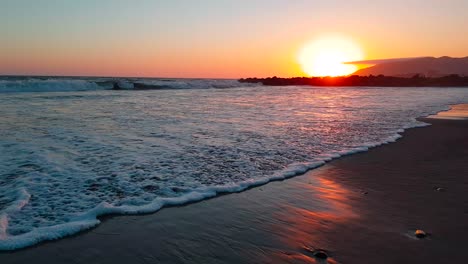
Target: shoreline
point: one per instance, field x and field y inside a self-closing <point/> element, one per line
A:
<point x="89" y="220"/>
<point x="334" y="208"/>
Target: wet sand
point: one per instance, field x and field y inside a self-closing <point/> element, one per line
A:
<point x="362" y="208"/>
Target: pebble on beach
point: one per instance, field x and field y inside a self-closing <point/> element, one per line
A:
<point x="316" y="253"/>
<point x="320" y="254"/>
<point x="420" y="233"/>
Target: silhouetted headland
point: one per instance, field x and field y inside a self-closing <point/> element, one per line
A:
<point x="355" y="80"/>
<point x="425" y="66"/>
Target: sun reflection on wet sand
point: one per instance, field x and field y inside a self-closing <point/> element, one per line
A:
<point x="306" y="224"/>
<point x="459" y="111"/>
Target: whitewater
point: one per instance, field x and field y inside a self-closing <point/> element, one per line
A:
<point x="73" y="149"/>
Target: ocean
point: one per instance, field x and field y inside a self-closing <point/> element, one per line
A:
<point x="73" y="149"/>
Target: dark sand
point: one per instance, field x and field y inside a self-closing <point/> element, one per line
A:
<point x="361" y="208"/>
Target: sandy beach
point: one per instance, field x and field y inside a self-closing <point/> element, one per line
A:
<point x="221" y="132"/>
<point x="362" y="208"/>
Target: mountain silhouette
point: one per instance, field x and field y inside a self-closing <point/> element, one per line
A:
<point x="426" y="66"/>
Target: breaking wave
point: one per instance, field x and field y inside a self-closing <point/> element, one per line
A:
<point x="27" y="84"/>
<point x="66" y="159"/>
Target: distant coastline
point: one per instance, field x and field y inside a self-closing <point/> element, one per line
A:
<point x="417" y="80"/>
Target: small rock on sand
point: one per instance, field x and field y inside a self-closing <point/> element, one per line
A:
<point x="320" y="254"/>
<point x="420" y="233"/>
<point x="317" y="253"/>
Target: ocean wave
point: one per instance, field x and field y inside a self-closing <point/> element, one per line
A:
<point x="48" y="85"/>
<point x="18" y="85"/>
<point x="67" y="159"/>
<point x="90" y="218"/>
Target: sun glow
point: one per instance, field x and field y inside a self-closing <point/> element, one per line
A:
<point x="326" y="56"/>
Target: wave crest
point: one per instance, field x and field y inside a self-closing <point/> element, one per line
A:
<point x="18" y="85"/>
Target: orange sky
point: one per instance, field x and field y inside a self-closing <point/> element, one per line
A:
<point x="218" y="39"/>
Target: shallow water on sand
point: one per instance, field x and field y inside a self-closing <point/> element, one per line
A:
<point x="67" y="157"/>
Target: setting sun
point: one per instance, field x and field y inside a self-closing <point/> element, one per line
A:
<point x="326" y="56"/>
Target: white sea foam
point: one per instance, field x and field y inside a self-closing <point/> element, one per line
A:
<point x="68" y="158"/>
<point x="47" y="85"/>
<point x="22" y="85"/>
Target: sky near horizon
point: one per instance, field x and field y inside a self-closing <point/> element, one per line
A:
<point x="217" y="38"/>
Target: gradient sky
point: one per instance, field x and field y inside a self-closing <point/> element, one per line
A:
<point x="218" y="38"/>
